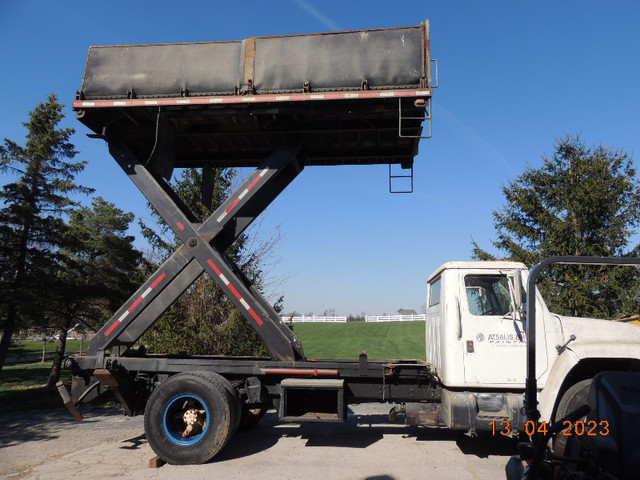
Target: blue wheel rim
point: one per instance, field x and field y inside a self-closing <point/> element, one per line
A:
<point x="174" y="427"/>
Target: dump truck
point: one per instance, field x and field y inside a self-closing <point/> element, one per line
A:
<point x="281" y="104"/>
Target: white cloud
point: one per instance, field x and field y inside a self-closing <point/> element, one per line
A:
<point x="306" y="6"/>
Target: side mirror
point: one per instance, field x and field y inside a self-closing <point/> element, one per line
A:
<point x="517" y="305"/>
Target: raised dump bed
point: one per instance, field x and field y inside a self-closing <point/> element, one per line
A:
<point x="354" y="97"/>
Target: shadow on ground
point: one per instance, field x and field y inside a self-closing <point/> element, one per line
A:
<point x="135" y="442"/>
<point x="359" y="431"/>
<point x="35" y="425"/>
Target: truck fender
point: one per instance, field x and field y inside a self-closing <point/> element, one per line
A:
<point x="582" y="361"/>
<point x="557" y="375"/>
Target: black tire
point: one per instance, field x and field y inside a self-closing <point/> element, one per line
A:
<point x="164" y="418"/>
<point x="576" y="396"/>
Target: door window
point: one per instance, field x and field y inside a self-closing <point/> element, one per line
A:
<point x="434" y="292"/>
<point x="488" y="294"/>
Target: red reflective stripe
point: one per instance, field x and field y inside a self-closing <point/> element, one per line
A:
<point x="135" y="304"/>
<point x="299" y="371"/>
<point x="160" y="278"/>
<point x="112" y="328"/>
<point x="255" y="317"/>
<point x="235" y="292"/>
<point x="253" y="184"/>
<point x="217" y="270"/>
<point x="235" y="202"/>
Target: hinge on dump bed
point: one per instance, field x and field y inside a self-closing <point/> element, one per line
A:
<point x="247" y="88"/>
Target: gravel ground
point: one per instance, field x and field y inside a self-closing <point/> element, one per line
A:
<point x="51" y="445"/>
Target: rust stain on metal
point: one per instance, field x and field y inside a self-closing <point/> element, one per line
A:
<point x="105" y="378"/>
<point x="249" y="61"/>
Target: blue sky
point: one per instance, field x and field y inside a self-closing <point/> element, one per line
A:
<point x="513" y="77"/>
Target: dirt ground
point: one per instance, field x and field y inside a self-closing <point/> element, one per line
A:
<point x="51" y="445"/>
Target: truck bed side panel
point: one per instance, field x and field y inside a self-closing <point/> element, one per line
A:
<point x="162" y="70"/>
<point x="340" y="61"/>
<point x="336" y="61"/>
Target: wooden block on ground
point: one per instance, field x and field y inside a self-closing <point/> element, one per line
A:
<point x="156" y="462"/>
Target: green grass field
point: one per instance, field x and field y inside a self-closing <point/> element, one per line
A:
<point x="320" y="340"/>
<point x="389" y="340"/>
<point x="27" y="375"/>
<point x="23" y="348"/>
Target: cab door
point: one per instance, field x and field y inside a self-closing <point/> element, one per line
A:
<point x="493" y="333"/>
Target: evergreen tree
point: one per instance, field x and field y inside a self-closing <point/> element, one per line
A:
<point x="582" y="201"/>
<point x="203" y="320"/>
<point x="32" y="216"/>
<point x="100" y="267"/>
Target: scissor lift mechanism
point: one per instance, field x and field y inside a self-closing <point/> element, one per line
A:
<point x="204" y="245"/>
<point x="203" y="250"/>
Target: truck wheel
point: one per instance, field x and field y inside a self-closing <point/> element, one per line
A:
<point x="188" y="419"/>
<point x="576" y="396"/>
<point x="234" y="400"/>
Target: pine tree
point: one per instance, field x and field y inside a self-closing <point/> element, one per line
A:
<point x="99" y="269"/>
<point x="32" y="215"/>
<point x="582" y="201"/>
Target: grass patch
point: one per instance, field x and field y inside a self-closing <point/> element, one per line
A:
<point x="22" y="387"/>
<point x="24" y="348"/>
<point x="23" y="376"/>
<point x="389" y="340"/>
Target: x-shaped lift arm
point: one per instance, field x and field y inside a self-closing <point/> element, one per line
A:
<point x="203" y="250"/>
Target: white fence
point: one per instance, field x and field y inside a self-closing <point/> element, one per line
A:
<point x="395" y="318"/>
<point x="343" y="319"/>
<point x="315" y="318"/>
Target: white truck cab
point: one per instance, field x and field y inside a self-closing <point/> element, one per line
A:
<point x="476" y="341"/>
